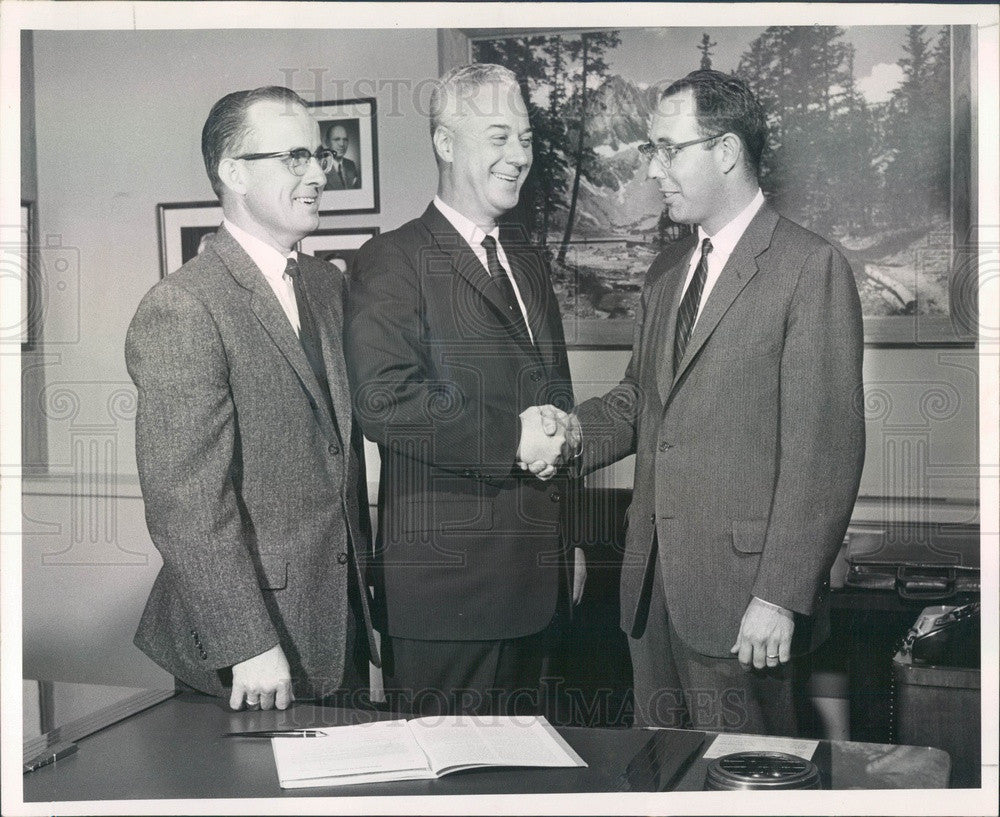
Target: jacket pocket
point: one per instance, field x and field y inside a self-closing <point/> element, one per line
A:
<point x="749" y="535"/>
<point x="273" y="572"/>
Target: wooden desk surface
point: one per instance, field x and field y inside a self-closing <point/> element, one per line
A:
<point x="174" y="750"/>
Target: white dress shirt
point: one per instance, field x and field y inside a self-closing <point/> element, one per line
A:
<point x="474" y="235"/>
<point x="272" y="264"/>
<point x="723" y="244"/>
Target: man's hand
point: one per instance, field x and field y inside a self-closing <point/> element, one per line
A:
<point x="558" y="425"/>
<point x="765" y="636"/>
<point x="264" y="679"/>
<point x="540" y="452"/>
<point x="554" y="419"/>
<point x="579" y="574"/>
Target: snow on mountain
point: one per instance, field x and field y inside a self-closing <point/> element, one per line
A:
<point x="615" y="198"/>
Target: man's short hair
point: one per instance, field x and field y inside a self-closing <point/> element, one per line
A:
<point x="226" y="131"/>
<point x="462" y="83"/>
<point x="724" y="104"/>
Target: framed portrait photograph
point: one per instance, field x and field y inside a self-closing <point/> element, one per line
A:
<point x="185" y="228"/>
<point x="29" y="321"/>
<point x="348" y="128"/>
<point x="18" y="258"/>
<point x="336" y="245"/>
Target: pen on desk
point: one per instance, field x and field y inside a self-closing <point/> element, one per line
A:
<point x="278" y="733"/>
<point x="57" y="751"/>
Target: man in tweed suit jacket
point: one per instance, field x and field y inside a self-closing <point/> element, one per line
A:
<point x="749" y="445"/>
<point x="253" y="490"/>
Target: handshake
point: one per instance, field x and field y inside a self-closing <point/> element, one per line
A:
<point x="549" y="438"/>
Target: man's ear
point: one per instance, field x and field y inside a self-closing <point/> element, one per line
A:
<point x="730" y="151"/>
<point x="444" y="143"/>
<point x="233" y="175"/>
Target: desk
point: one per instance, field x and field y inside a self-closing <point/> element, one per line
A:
<point x="174" y="750"/>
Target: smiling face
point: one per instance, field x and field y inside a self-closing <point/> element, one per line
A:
<point x="271" y="202"/>
<point x="693" y="186"/>
<point x="485" y="153"/>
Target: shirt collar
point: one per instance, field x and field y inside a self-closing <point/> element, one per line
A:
<point x="725" y="240"/>
<point x="469" y="230"/>
<point x="270" y="262"/>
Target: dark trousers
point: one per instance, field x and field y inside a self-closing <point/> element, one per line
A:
<point x="677" y="687"/>
<point x="498" y="677"/>
<point x="355" y="687"/>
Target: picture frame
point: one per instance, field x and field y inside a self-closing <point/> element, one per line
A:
<point x="336" y="245"/>
<point x="182" y="227"/>
<point x="349" y="128"/>
<point x="904" y="226"/>
<point x="28" y="327"/>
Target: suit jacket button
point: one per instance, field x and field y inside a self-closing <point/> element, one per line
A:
<point x="333" y="448"/>
<point x="652" y="519"/>
<point x="555" y="496"/>
<point x="341" y="558"/>
<point x="535" y="376"/>
<point x="665" y="446"/>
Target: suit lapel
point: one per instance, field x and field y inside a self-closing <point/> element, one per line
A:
<point x="464" y="261"/>
<point x="739" y="270"/>
<point x="273" y="318"/>
<point x="328" y="313"/>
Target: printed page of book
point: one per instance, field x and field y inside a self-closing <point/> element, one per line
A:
<point x="364" y="753"/>
<point x="464" y="742"/>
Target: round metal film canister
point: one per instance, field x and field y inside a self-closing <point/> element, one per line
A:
<point x="772" y="771"/>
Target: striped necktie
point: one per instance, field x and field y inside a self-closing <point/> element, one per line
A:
<point x="688" y="311"/>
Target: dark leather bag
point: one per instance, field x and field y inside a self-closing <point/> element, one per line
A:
<point x="924" y="566"/>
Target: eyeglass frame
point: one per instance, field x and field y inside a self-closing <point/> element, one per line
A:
<point x="302" y="155"/>
<point x="666" y="153"/>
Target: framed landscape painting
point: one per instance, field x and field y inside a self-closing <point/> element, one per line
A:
<point x="870" y="145"/>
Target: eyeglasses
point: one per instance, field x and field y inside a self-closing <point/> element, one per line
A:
<point x="296" y="160"/>
<point x="666" y="153"/>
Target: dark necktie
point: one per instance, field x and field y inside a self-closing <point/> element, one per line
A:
<point x="308" y="333"/>
<point x="340" y="172"/>
<point x="689" y="305"/>
<point x="500" y="280"/>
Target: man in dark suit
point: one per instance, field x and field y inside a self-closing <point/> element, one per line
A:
<point x="740" y="404"/>
<point x="453" y="338"/>
<point x="344" y="173"/>
<point x="253" y="490"/>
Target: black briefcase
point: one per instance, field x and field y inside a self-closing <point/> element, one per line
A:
<point x="920" y="564"/>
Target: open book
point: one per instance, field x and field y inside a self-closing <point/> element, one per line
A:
<point x="418" y="749"/>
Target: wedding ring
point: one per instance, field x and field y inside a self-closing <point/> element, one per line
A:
<point x="771" y="656"/>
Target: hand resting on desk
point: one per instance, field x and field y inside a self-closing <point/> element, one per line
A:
<point x="264" y="679"/>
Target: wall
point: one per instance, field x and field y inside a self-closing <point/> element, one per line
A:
<point x="118" y="119"/>
<point x="922" y="426"/>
